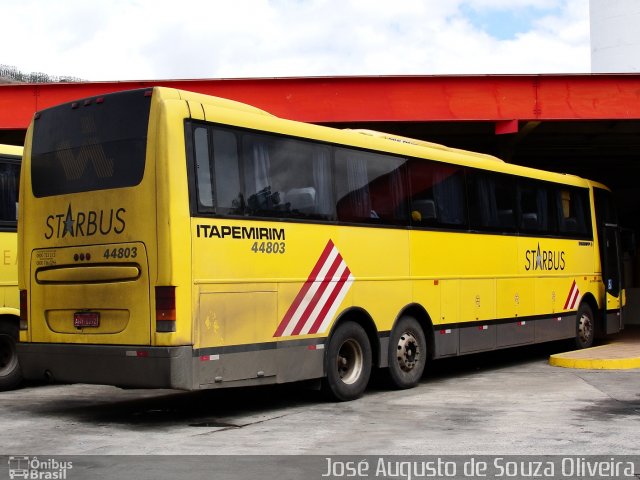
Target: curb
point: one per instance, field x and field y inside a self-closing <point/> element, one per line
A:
<point x="592" y="359"/>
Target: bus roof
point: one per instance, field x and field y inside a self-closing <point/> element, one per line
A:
<point x="167" y="93"/>
<point x="375" y="140"/>
<point x="422" y="143"/>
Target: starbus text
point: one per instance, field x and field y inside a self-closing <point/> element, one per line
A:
<point x="544" y="260"/>
<point x="85" y="224"/>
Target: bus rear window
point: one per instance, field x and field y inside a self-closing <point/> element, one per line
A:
<point x="93" y="144"/>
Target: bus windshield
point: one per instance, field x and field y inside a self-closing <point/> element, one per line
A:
<point x="83" y="146"/>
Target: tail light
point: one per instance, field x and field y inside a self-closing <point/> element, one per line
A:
<point x="165" y="309"/>
<point x="24" y="314"/>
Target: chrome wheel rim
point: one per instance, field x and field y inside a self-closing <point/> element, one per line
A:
<point x="350" y="361"/>
<point x="585" y="329"/>
<point x="408" y="352"/>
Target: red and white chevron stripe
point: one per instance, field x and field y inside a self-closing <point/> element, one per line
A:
<point x="317" y="301"/>
<point x="572" y="298"/>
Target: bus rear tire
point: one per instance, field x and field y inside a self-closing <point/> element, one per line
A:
<point x="585" y="327"/>
<point x="407" y="353"/>
<point x="10" y="374"/>
<point x="347" y="363"/>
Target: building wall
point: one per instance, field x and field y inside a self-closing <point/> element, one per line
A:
<point x="615" y="36"/>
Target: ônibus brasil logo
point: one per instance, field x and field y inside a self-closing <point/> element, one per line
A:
<point x="85" y="223"/>
<point x="34" y="468"/>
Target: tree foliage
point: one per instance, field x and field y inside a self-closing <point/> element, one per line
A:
<point x="10" y="74"/>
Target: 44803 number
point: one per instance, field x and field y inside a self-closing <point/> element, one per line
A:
<point x="122" y="252"/>
<point x="268" y="247"/>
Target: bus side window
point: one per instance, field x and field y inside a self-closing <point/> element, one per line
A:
<point x="308" y="184"/>
<point x="228" y="191"/>
<point x="353" y="199"/>
<point x="437" y="194"/>
<point x="492" y="201"/>
<point x="203" y="167"/>
<point x="370" y="188"/>
<point x="573" y="212"/>
<point x="533" y="205"/>
<point x="287" y="178"/>
<point x="9" y="175"/>
<point x="217" y="171"/>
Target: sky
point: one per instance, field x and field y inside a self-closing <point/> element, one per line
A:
<point x="182" y="39"/>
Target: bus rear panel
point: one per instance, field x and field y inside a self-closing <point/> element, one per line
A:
<point x="92" y="281"/>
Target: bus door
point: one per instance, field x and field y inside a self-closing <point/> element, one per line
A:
<point x="612" y="277"/>
<point x="611" y="261"/>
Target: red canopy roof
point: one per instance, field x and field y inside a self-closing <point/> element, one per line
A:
<point x="499" y="98"/>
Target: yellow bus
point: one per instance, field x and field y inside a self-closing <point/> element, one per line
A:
<point x="10" y="157"/>
<point x="177" y="240"/>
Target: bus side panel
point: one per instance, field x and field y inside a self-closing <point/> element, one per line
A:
<point x="447" y="340"/>
<point x="172" y="265"/>
<point x="467" y="270"/>
<point x="9" y="272"/>
<point x="276" y="301"/>
<point x="515" y="333"/>
<point x="381" y="271"/>
<point x="382" y="286"/>
<point x="237" y="317"/>
<point x="556" y="328"/>
<point x="518" y="302"/>
<point x="246" y="274"/>
<point x="517" y="297"/>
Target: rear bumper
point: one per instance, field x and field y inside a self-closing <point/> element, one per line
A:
<point x="124" y="366"/>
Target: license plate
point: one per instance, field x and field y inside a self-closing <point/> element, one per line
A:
<point x="86" y="319"/>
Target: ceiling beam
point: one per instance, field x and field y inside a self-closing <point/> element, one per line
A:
<point x="496" y="98"/>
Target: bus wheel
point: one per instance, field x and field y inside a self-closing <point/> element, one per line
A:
<point x="407" y="353"/>
<point x="585" y="327"/>
<point x="347" y="363"/>
<point x="10" y="375"/>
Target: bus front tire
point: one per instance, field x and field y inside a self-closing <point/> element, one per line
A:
<point x="347" y="363"/>
<point x="407" y="353"/>
<point x="585" y="327"/>
<point x="10" y="374"/>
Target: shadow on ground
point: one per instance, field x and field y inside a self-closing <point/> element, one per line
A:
<point x="235" y="408"/>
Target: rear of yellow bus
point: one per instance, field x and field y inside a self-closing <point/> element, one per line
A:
<point x="104" y="243"/>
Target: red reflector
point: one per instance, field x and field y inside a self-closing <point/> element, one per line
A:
<point x="87" y="102"/>
<point x="148" y="93"/>
<point x="100" y="100"/>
